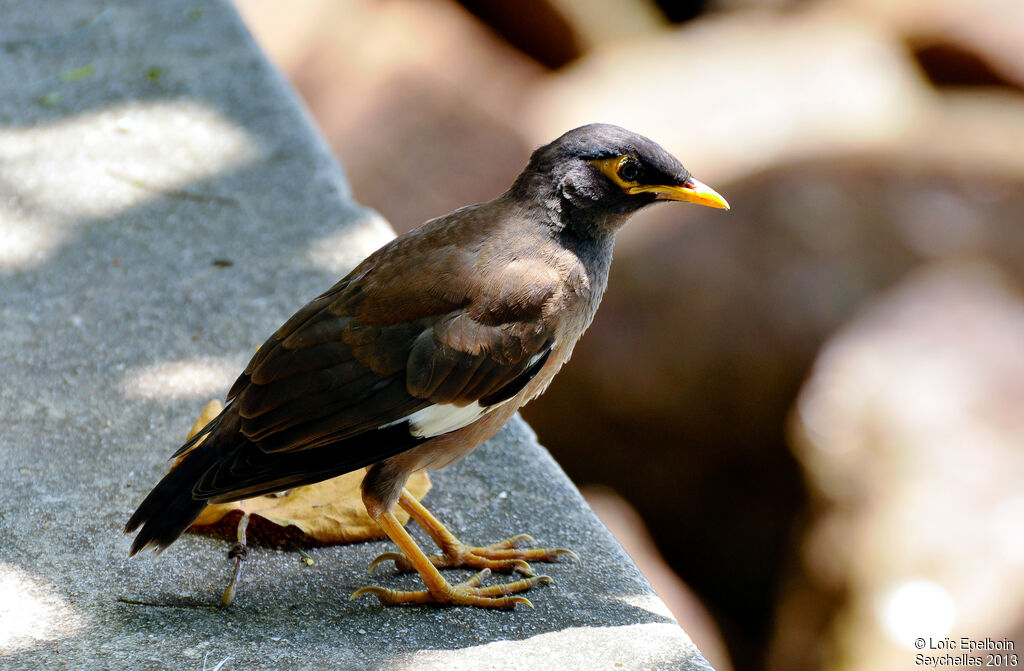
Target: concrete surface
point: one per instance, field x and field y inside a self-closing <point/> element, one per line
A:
<point x="165" y="203"/>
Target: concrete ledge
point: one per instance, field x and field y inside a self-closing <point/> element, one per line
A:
<point x="164" y="203"/>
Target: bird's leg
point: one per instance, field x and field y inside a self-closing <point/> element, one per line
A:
<point x="503" y="556"/>
<point x="439" y="590"/>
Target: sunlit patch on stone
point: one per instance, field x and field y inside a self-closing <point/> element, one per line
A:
<point x="31" y="612"/>
<point x="339" y="252"/>
<point x="199" y="377"/>
<point x="61" y="175"/>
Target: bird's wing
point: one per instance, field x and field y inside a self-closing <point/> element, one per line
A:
<point x="367" y="356"/>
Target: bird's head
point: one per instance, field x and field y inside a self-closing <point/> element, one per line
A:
<point x="602" y="173"/>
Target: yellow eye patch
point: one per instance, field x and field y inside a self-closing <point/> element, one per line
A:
<point x="623" y="170"/>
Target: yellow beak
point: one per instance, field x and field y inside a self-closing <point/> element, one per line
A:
<point x="690" y="192"/>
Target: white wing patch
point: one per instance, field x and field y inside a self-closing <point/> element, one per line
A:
<point x="441" y="418"/>
<point x="435" y="420"/>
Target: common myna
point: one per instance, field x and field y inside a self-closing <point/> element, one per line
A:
<point x="423" y="351"/>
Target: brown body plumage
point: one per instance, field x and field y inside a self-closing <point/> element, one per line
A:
<point x="429" y="345"/>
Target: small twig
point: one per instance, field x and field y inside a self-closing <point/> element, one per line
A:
<point x="175" y="193"/>
<point x="237" y="552"/>
<point x="184" y="194"/>
<point x="219" y="665"/>
<point x="46" y="37"/>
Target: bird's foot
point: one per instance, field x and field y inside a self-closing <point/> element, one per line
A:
<point x="468" y="593"/>
<point x="502" y="557"/>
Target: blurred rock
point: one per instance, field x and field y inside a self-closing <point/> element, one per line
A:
<point x="958" y="42"/>
<point x="754" y="5"/>
<point x="604" y="22"/>
<point x="555" y="32"/>
<point x="910" y="431"/>
<point x="417" y="99"/>
<point x="711" y="323"/>
<point x="732" y="94"/>
<point x="535" y="27"/>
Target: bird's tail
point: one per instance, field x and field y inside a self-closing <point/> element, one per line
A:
<point x="171" y="508"/>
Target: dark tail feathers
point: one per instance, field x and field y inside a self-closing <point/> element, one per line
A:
<point x="170" y="508"/>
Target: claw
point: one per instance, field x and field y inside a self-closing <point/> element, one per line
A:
<point x="523" y="568"/>
<point x="468" y="593"/>
<point x="396" y="557"/>
<point x="522" y="600"/>
<point x="570" y="554"/>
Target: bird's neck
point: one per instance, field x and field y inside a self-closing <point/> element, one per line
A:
<point x="588" y="233"/>
<point x="594" y="253"/>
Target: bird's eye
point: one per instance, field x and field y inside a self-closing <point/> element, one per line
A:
<point x="629" y="169"/>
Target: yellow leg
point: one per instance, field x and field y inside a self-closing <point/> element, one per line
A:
<point x="502" y="556"/>
<point x="438" y="589"/>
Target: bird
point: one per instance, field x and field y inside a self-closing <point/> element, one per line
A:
<point x="422" y="352"/>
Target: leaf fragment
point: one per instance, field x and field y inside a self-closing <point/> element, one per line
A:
<point x="74" y="74"/>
